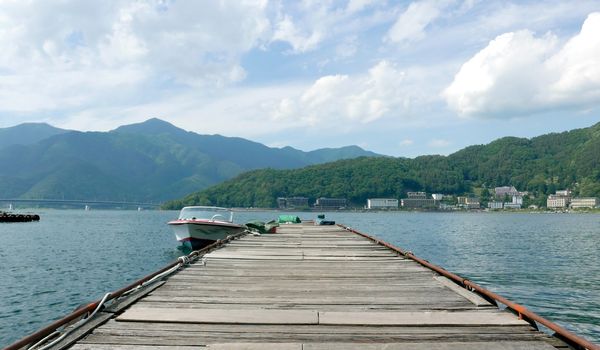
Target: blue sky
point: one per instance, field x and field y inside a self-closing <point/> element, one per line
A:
<point x="402" y="78"/>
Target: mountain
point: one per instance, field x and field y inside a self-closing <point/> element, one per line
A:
<point x="149" y="161"/>
<point x="324" y="155"/>
<point x="540" y="165"/>
<point x="27" y="133"/>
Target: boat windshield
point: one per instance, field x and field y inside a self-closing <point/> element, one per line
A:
<point x="206" y="213"/>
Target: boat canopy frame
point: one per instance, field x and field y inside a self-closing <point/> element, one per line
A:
<point x="205" y="209"/>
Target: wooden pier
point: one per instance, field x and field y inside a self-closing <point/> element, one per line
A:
<point x="307" y="287"/>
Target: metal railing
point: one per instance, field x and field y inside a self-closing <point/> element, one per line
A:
<point x="520" y="310"/>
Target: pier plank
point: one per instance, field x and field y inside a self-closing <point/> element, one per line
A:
<point x="432" y="318"/>
<point x="470" y="296"/>
<point x="310" y="288"/>
<point x="233" y="316"/>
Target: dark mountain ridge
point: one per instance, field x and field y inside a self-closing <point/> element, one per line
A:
<point x="27" y="133"/>
<point x="149" y="161"/>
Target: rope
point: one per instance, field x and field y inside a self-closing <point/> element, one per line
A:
<point x="77" y="325"/>
<point x="183" y="260"/>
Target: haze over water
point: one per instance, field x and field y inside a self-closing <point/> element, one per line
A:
<point x="547" y="262"/>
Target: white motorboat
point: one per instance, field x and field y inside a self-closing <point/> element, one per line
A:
<point x="198" y="226"/>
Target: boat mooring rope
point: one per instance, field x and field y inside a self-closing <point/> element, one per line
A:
<point x="75" y="326"/>
<point x="183" y="260"/>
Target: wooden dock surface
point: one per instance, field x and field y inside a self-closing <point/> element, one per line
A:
<point x="310" y="287"/>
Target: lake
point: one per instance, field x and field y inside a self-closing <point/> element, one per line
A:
<point x="548" y="262"/>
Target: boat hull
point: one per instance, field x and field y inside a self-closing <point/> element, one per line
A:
<point x="199" y="234"/>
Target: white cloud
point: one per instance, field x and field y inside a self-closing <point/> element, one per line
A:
<point x="70" y="53"/>
<point x="358" y="5"/>
<point x="578" y="63"/>
<point x="346" y="48"/>
<point x="519" y="73"/>
<point x="309" y="25"/>
<point x="439" y="143"/>
<point x="406" y="142"/>
<point x="287" y="31"/>
<point x="305" y="25"/>
<point x="411" y="24"/>
<point x="342" y="98"/>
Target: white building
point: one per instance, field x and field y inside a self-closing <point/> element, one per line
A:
<point x="382" y="203"/>
<point x="437" y="196"/>
<point x="495" y="205"/>
<point x="590" y="202"/>
<point x="555" y="201"/>
<point x="517" y="200"/>
<point x="512" y="206"/>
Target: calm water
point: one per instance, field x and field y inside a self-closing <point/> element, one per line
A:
<point x="548" y="262"/>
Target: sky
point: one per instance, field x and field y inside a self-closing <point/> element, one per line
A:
<point x="402" y="78"/>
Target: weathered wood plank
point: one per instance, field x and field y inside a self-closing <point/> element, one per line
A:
<point x="202" y="340"/>
<point x="470" y="296"/>
<point x="217" y="346"/>
<point x="448" y="306"/>
<point x="118" y="327"/>
<point x="506" y="345"/>
<point x="303" y="300"/>
<point x="420" y="318"/>
<point x="92" y="346"/>
<point x="262" y="316"/>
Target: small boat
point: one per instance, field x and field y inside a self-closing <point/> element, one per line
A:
<point x="198" y="226"/>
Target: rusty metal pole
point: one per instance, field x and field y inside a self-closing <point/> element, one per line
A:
<point x="523" y="312"/>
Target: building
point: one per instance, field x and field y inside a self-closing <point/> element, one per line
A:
<point x="292" y="202"/>
<point x="564" y="193"/>
<point x="437" y="196"/>
<point x="495" y="205"/>
<point x="517" y="199"/>
<point x="589" y="202"/>
<point x="418" y="203"/>
<point x="512" y="206"/>
<point x="555" y="201"/>
<point x="516" y="203"/>
<point x="281" y="202"/>
<point x="473" y="203"/>
<point x="331" y="203"/>
<point x="297" y="202"/>
<point x="560" y="199"/>
<point x="468" y="202"/>
<point x="416" y="195"/>
<point x="502" y="191"/>
<point x="382" y="203"/>
<point x="418" y="200"/>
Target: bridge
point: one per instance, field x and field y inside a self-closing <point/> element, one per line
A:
<point x="82" y="202"/>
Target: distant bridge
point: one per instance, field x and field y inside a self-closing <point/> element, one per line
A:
<point x="80" y="202"/>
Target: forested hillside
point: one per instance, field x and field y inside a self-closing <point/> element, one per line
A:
<point x="149" y="161"/>
<point x="539" y="165"/>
